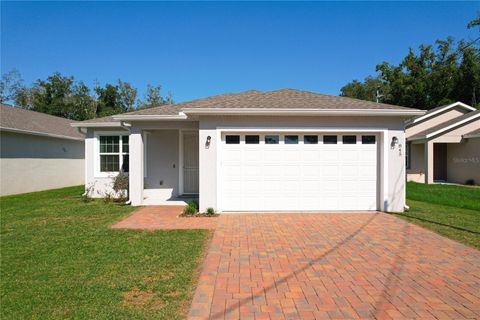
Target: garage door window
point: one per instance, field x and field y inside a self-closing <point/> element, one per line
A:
<point x="368" y="139"/>
<point x="232" y="139"/>
<point x="291" y="139"/>
<point x="310" y="139"/>
<point x="349" y="139"/>
<point x="252" y="139"/>
<point x="329" y="139"/>
<point x="271" y="139"/>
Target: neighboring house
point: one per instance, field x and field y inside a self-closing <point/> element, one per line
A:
<point x="443" y="145"/>
<point x="278" y="150"/>
<point x="38" y="152"/>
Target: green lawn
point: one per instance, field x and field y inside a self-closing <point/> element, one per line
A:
<point x="60" y="259"/>
<point x="450" y="210"/>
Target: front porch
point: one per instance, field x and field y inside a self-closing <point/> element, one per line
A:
<point x="163" y="166"/>
<point x="442" y="161"/>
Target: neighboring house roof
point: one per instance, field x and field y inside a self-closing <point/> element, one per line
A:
<point x="438" y="110"/>
<point x="15" y="119"/>
<point x="446" y="126"/>
<point x="473" y="134"/>
<point x="283" y="101"/>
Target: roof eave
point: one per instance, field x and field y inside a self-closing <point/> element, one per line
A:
<point x="149" y="117"/>
<point x="96" y="124"/>
<point x="447" y="107"/>
<point x="323" y="112"/>
<point x="42" y="134"/>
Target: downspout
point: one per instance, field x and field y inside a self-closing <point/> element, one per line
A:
<point x="126" y="126"/>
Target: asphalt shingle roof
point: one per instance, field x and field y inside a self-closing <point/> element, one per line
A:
<point x="277" y="99"/>
<point x="26" y="120"/>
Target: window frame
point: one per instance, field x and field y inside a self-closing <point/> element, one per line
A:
<point x="257" y="141"/>
<point x="120" y="153"/>
<point x="271" y="135"/>
<point x="330" y="135"/>
<point x="233" y="135"/>
<point x="297" y="141"/>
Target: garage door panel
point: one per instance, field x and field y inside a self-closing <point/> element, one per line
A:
<point x="270" y="177"/>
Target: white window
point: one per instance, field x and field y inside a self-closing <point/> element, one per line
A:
<point x="112" y="151"/>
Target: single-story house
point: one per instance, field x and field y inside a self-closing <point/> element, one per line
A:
<point x="443" y="145"/>
<point x="38" y="152"/>
<point x="282" y="150"/>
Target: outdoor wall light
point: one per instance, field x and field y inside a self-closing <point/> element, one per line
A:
<point x="394" y="142"/>
<point x="207" y="143"/>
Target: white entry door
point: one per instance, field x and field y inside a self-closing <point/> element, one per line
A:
<point x="298" y="171"/>
<point x="190" y="162"/>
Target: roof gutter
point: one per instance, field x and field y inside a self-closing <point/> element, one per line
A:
<point x="38" y="133"/>
<point x="148" y="117"/>
<point x="306" y="112"/>
<point x="95" y="124"/>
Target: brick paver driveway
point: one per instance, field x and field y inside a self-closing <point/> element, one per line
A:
<point x="339" y="266"/>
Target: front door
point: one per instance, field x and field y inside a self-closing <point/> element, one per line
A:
<point x="190" y="162"/>
<point x="440" y="162"/>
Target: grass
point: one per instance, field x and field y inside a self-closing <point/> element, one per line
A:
<point x="60" y="259"/>
<point x="443" y="194"/>
<point x="450" y="210"/>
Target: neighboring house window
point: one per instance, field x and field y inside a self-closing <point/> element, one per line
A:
<point x="113" y="153"/>
<point x="408" y="152"/>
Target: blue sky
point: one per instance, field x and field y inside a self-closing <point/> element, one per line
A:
<point x="205" y="48"/>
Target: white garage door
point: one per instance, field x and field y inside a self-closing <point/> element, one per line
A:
<point x="298" y="171"/>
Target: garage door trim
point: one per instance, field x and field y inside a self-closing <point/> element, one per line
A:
<point x="382" y="145"/>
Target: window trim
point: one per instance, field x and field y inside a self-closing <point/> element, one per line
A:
<point x="97" y="153"/>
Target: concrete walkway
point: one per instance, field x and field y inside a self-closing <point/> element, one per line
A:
<point x="334" y="266"/>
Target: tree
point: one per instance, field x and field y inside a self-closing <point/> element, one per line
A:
<point x="128" y="95"/>
<point x="108" y="101"/>
<point x="431" y="76"/>
<point x="9" y="85"/>
<point x="153" y="98"/>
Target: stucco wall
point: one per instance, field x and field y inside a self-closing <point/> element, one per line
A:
<point x="99" y="186"/>
<point x="463" y="161"/>
<point x="162" y="163"/>
<point x="393" y="199"/>
<point x="416" y="172"/>
<point x="32" y="163"/>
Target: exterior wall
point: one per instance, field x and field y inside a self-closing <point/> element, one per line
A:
<point x="392" y="160"/>
<point x="31" y="163"/>
<point x="162" y="163"/>
<point x="434" y="121"/>
<point x="463" y="161"/>
<point x="416" y="172"/>
<point x="99" y="186"/>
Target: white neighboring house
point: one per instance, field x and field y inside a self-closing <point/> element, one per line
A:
<point x="282" y="150"/>
<point x="38" y="152"/>
<point x="443" y="145"/>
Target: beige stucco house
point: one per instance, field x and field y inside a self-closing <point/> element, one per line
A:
<point x="38" y="152"/>
<point x="443" y="145"/>
<point x="282" y="150"/>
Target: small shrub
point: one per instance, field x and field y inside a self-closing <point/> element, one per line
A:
<point x="108" y="197"/>
<point x="210" y="212"/>
<point x="470" y="182"/>
<point x="89" y="191"/>
<point x="190" y="209"/>
<point x="121" y="185"/>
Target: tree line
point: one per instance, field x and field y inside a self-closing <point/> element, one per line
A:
<point x="66" y="97"/>
<point x="434" y="75"/>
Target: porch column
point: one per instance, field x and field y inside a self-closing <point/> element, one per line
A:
<point x="136" y="166"/>
<point x="428" y="162"/>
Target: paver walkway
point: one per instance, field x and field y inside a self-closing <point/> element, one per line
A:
<point x="164" y="217"/>
<point x="334" y="266"/>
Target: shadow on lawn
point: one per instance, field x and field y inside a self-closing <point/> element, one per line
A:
<point x="437" y="223"/>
